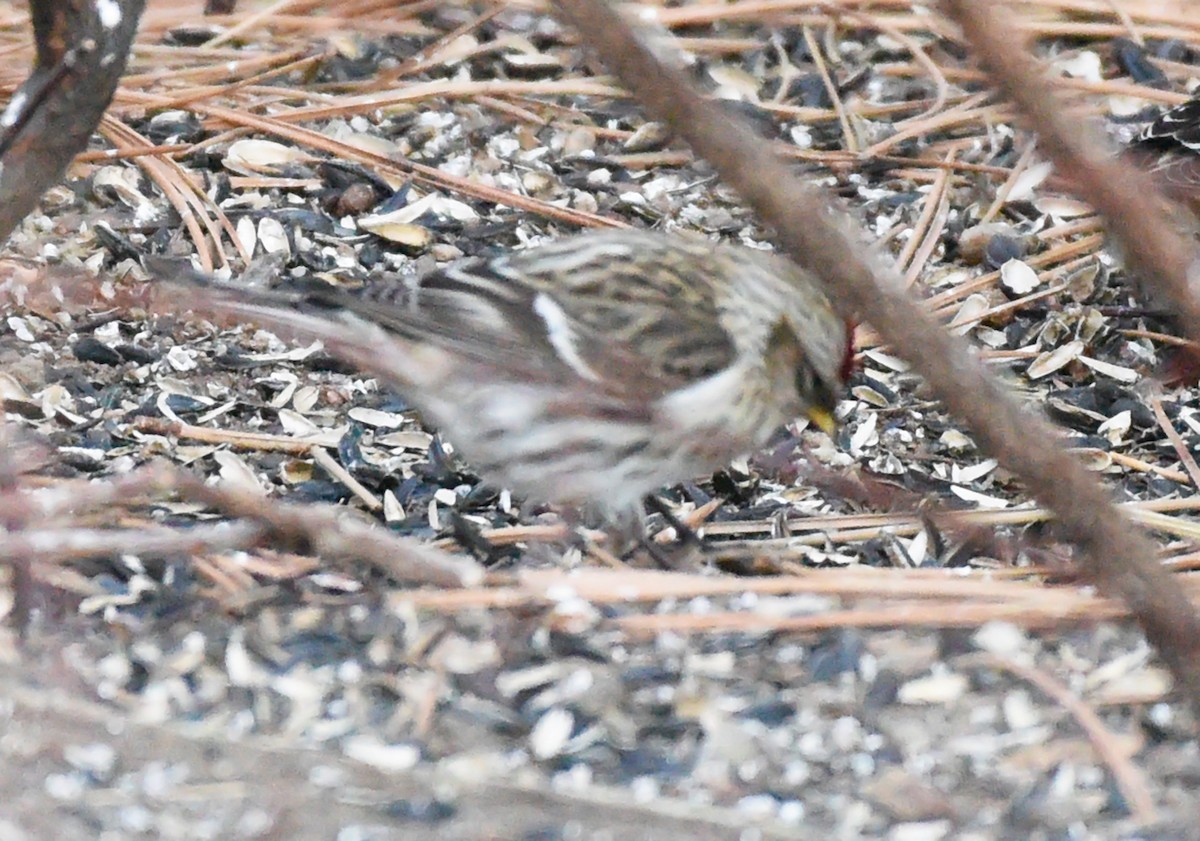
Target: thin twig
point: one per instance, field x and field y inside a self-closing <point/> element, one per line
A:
<point x="261" y="441"/>
<point x="330" y="532"/>
<point x="1128" y="778"/>
<point x="73" y="543"/>
<point x="1177" y="442"/>
<point x="330" y="465"/>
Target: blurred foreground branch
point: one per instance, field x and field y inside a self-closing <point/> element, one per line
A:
<point x="40" y="528"/>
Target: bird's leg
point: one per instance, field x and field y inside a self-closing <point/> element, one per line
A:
<point x="580" y="530"/>
<point x="684" y="533"/>
<point x="688" y="548"/>
<point x="471" y="538"/>
<point x="625" y="534"/>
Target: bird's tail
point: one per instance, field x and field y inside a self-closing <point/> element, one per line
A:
<point x="304" y="315"/>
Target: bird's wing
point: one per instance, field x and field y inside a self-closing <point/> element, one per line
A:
<point x="604" y="305"/>
<point x="628" y="313"/>
<point x="625" y="314"/>
<point x="1176" y="126"/>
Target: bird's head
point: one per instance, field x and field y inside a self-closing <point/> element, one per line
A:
<point x="814" y="366"/>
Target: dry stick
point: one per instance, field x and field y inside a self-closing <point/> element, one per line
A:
<point x="189" y="200"/>
<point x="807" y="533"/>
<point x="831" y="90"/>
<point x="422" y="173"/>
<point x="880" y="598"/>
<point x="105" y="155"/>
<point x="329" y="464"/>
<point x="1126" y="775"/>
<point x="260" y="441"/>
<point x="1138" y="464"/>
<point x="222" y="80"/>
<point x="1006" y="188"/>
<point x="927" y="233"/>
<point x="1117" y="556"/>
<point x="347" y="106"/>
<point x="330" y="532"/>
<point x="247" y="23"/>
<point x="991" y="312"/>
<point x="1181" y="450"/>
<point x="251" y="83"/>
<point x="965" y="113"/>
<point x="227" y="582"/>
<point x="71" y="542"/>
<point x="1085" y="246"/>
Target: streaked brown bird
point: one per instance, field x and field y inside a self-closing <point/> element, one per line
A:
<point x="593" y="370"/>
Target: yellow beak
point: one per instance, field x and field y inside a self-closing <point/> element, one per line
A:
<point x="823" y="420"/>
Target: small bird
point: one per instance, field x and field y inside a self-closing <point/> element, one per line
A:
<point x="588" y="372"/>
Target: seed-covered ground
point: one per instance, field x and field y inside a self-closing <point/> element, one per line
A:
<point x="882" y="637"/>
